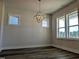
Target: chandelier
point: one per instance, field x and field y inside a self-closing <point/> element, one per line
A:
<point x="38" y="17"/>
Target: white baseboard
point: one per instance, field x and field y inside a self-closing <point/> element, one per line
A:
<point x="31" y="46"/>
<point x="65" y="48"/>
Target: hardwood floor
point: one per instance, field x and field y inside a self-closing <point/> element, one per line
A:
<point x="39" y="53"/>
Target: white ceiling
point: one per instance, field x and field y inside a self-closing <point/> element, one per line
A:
<point x="47" y="6"/>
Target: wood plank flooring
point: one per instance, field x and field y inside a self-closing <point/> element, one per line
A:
<point x="39" y="53"/>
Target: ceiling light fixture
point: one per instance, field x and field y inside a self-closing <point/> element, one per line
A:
<point x="38" y="17"/>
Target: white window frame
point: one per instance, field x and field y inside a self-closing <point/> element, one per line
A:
<point x="72" y="25"/>
<point x="58" y="28"/>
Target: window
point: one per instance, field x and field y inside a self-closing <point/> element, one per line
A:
<point x="13" y="20"/>
<point x="61" y="27"/>
<point x="73" y="24"/>
<point x="73" y="32"/>
<point x="45" y="23"/>
<point x="67" y="26"/>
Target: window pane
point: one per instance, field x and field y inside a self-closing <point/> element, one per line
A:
<point x="13" y="20"/>
<point x="62" y="22"/>
<point x="44" y="23"/>
<point x="73" y="19"/>
<point x="73" y="32"/>
<point x="61" y="33"/>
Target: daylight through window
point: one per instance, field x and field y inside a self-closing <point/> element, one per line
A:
<point x="13" y="20"/>
<point x="67" y="26"/>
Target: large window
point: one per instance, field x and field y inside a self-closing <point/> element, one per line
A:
<point x="67" y="26"/>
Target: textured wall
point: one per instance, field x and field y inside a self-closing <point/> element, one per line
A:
<point x="27" y="34"/>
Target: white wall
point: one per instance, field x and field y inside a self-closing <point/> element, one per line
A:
<point x="28" y="34"/>
<point x="1" y="21"/>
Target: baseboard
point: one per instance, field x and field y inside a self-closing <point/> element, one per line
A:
<point x="65" y="48"/>
<point x="31" y="46"/>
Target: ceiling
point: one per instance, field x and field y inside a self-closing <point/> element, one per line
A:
<point x="47" y="6"/>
